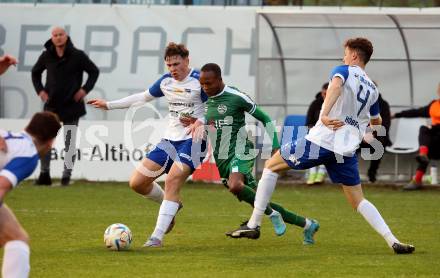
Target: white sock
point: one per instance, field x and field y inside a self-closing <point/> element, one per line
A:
<point x="156" y="193"/>
<point x="16" y="259"/>
<point x="313" y="170"/>
<point x="265" y="189"/>
<point x="167" y="211"/>
<point x="308" y="223"/>
<point x="373" y="217"/>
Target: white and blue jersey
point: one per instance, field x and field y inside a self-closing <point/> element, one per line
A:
<point x="357" y="104"/>
<point x="184" y="97"/>
<point x="21" y="158"/>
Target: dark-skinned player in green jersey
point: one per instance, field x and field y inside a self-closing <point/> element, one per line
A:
<point x="225" y="119"/>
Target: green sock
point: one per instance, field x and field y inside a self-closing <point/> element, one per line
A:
<point x="289" y="216"/>
<point x="247" y="194"/>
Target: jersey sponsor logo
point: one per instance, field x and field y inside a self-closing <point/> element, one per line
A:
<point x="181" y="104"/>
<point x="227" y="121"/>
<point x="175" y="90"/>
<point x="349" y="120"/>
<point x="179" y="90"/>
<point x="222" y="108"/>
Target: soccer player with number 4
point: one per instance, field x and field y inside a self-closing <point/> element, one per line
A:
<point x="350" y="105"/>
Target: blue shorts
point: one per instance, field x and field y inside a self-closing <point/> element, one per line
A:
<point x="304" y="154"/>
<point x="186" y="151"/>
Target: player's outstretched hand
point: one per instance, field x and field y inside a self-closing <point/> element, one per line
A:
<point x="98" y="103"/>
<point x="186" y="120"/>
<point x="333" y="124"/>
<point x="197" y="130"/>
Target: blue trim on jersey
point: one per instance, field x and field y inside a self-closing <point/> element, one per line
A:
<point x="22" y="167"/>
<point x="203" y="96"/>
<point x="340" y="71"/>
<point x="155" y="90"/>
<point x="195" y="74"/>
<point x="375" y="108"/>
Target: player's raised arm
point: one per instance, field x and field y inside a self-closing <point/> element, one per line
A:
<point x="122" y="103"/>
<point x="153" y="92"/>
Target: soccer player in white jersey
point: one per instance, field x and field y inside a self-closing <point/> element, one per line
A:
<point x="174" y="154"/>
<point x="16" y="164"/>
<point x="350" y="105"/>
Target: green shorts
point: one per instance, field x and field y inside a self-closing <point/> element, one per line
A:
<point x="235" y="165"/>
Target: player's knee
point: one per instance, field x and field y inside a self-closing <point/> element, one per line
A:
<point x="172" y="184"/>
<point x="235" y="186"/>
<point x="354" y="205"/>
<point x="134" y="184"/>
<point x="23" y="237"/>
<point x="270" y="165"/>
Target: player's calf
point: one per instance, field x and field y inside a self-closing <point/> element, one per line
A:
<point x="10" y="229"/>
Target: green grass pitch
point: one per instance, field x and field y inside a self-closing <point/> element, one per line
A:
<point x="66" y="226"/>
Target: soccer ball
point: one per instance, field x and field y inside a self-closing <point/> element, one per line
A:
<point x="117" y="237"/>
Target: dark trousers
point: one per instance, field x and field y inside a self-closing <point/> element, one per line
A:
<point x="70" y="128"/>
<point x="429" y="137"/>
<point x="374" y="163"/>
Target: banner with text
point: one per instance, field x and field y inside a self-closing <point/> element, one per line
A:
<point x="127" y="44"/>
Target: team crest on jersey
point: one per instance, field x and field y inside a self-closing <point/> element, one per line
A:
<point x="222" y="108"/>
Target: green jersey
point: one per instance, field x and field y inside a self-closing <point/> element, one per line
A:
<point x="226" y="117"/>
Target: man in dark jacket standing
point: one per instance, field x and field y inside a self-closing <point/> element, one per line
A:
<point x="63" y="93"/>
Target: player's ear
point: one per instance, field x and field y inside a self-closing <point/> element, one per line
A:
<point x="356" y="55"/>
